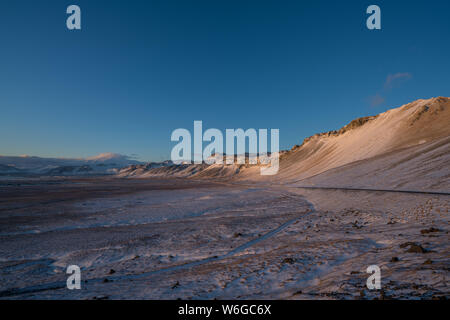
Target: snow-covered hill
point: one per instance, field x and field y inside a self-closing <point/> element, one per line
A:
<point x="406" y="147"/>
<point x="106" y="163"/>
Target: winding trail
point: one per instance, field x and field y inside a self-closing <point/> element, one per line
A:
<point x="375" y="190"/>
<point x="62" y="284"/>
<point x="284" y="192"/>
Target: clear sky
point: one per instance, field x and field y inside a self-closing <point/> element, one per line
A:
<point x="140" y="69"/>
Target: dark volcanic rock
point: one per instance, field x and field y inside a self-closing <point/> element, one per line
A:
<point x="425" y="231"/>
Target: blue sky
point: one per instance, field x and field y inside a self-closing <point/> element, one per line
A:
<point x="140" y="69"/>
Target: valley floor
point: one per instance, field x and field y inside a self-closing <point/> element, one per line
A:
<point x="174" y="238"/>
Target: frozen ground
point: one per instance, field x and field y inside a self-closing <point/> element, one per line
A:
<point x="169" y="239"/>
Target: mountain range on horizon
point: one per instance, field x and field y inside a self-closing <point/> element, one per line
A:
<point x="104" y="163"/>
<point x="402" y="147"/>
<point x="406" y="147"/>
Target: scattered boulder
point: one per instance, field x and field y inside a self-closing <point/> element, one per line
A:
<point x="392" y="221"/>
<point x="432" y="229"/>
<point x="289" y="260"/>
<point x="176" y="285"/>
<point x="416" y="249"/>
<point x="406" y="244"/>
<point x="355" y="225"/>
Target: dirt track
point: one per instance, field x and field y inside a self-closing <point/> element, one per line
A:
<point x="190" y="239"/>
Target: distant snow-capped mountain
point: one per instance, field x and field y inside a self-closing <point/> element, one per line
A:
<point x="105" y="163"/>
<point x="113" y="159"/>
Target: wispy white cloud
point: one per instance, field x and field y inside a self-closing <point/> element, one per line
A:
<point x="376" y="100"/>
<point x="392" y="80"/>
<point x="396" y="78"/>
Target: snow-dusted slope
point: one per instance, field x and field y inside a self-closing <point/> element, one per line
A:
<point x="406" y="146"/>
<point x="424" y="167"/>
<point x="416" y="123"/>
